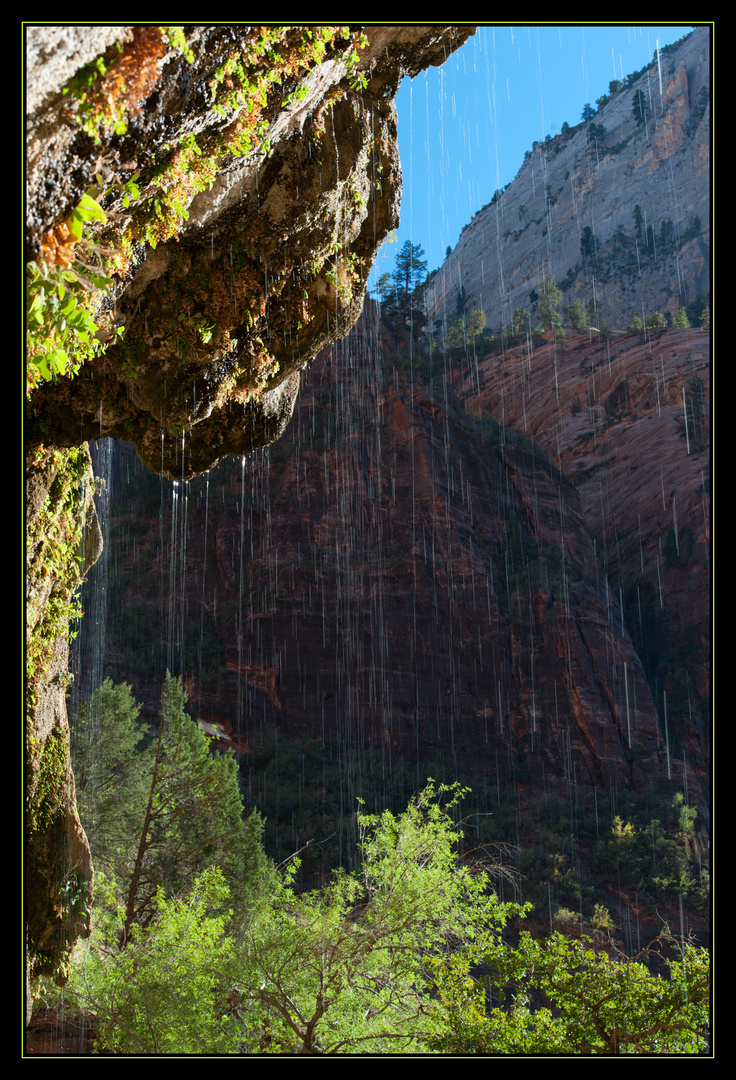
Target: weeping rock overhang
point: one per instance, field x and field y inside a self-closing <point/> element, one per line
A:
<point x="242" y="251"/>
<point x="266" y="217"/>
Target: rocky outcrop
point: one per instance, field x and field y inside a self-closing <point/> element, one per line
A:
<point x="63" y="542"/>
<point x="268" y="175"/>
<point x="592" y="179"/>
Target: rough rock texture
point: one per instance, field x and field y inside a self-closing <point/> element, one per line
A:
<point x="288" y="195"/>
<point x="58" y="865"/>
<point x="576" y="182"/>
<point x="612" y="415"/>
<point x="391" y="576"/>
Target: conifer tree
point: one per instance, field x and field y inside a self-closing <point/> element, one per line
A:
<point x="548" y="302"/>
<point x="193" y="817"/>
<point x="409" y="272"/>
<point x="112" y="769"/>
<point x="639" y="107"/>
<point x="158" y="815"/>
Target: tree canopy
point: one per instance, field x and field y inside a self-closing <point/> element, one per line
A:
<point x="409" y="272"/>
<point x="407" y="954"/>
<point x="597" y="1000"/>
<point x="548" y="302"/>
<point x="158" y="813"/>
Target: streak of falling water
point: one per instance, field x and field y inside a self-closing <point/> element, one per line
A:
<point x="239" y="606"/>
<point x="684" y="409"/>
<point x="172" y="641"/>
<point x="90" y="662"/>
<point x="666" y="735"/>
<point x="204" y="576"/>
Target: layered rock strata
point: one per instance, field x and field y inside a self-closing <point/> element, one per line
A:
<point x="616" y="209"/>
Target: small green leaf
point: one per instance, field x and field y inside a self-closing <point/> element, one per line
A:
<point x="89" y="210"/>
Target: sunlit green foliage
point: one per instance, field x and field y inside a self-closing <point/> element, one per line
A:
<point x="345" y="968"/>
<point x="192" y="818"/>
<point x="160" y="813"/>
<point x="61" y="332"/>
<point x="165" y="993"/>
<point x="600" y="1000"/>
<point x="382" y="960"/>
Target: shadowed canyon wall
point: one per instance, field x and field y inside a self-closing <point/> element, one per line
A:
<point x="401" y="586"/>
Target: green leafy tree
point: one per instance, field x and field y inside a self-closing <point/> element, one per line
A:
<point x="462" y="332"/>
<point x="519" y="321"/>
<point x="596" y="133"/>
<point x="681" y="320"/>
<point x="166" y="993"/>
<point x="638" y="220"/>
<point x="476" y="323"/>
<point x="385" y="287"/>
<point x="636" y="326"/>
<point x="588" y="243"/>
<point x="598" y="1000"/>
<point x="575" y="312"/>
<point x="405" y="955"/>
<point x="656" y="321"/>
<point x="346" y="969"/>
<point x="666" y="233"/>
<point x="409" y="272"/>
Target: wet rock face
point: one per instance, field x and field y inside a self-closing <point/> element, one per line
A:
<point x="395" y="577"/>
<point x="244" y="251"/>
<point x="266" y="217"/>
<point x="60" y="517"/>
<point x="627" y="421"/>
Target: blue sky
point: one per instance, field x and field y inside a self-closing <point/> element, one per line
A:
<point x="464" y="127"/>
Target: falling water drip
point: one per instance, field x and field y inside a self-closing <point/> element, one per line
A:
<point x="684" y="409"/>
<point x="674" y="525"/>
<point x="666" y="735"/>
